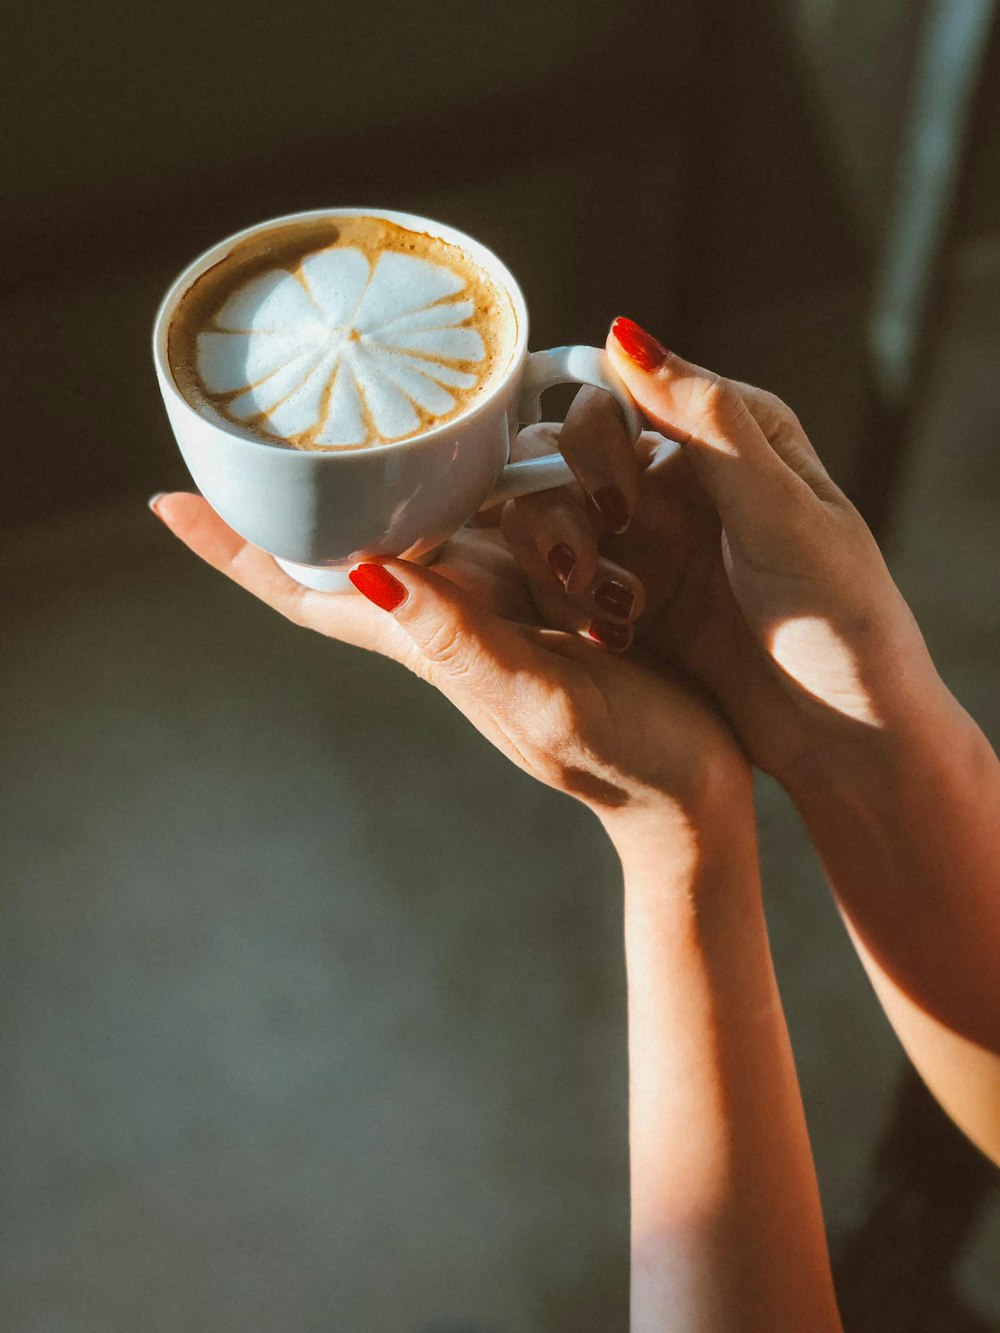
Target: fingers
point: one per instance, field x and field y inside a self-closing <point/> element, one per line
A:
<point x="194" y="522"/>
<point x="454" y="641"/>
<point x="596" y="445"/>
<point x="552" y="538"/>
<point x="783" y="431"/>
<point x="554" y="535"/>
<point x="564" y="528"/>
<point x="608" y="588"/>
<point x="532" y="442"/>
<point x="586" y="625"/>
<point x="491" y="669"/>
<point x="432" y="626"/>
<point x="603" y="609"/>
<point x="746" y="478"/>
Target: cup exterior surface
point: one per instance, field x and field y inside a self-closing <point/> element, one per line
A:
<point x="330" y="509"/>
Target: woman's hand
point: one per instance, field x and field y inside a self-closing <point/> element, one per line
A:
<point x="721" y="1166"/>
<point x="600" y="727"/>
<point x="761" y="581"/>
<point x="763" y="584"/>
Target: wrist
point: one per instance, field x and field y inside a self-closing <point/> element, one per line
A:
<point x="933" y="742"/>
<point x="886" y="703"/>
<point x="680" y="832"/>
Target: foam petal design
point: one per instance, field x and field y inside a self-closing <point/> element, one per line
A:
<point x="344" y="423"/>
<point x="229" y="361"/>
<point x="402" y="283"/>
<point x="431" y="317"/>
<point x="269" y="393"/>
<point x="336" y="280"/>
<point x="418" y="387"/>
<point x="271" y="301"/>
<point x="391" y="410"/>
<point x="345" y="351"/>
<point x="448" y="344"/>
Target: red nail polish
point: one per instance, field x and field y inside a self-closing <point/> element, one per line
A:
<point x="612" y="507"/>
<point x="562" y="562"/>
<point x="616" y="598"/>
<point x="610" y="635"/>
<point x="378" y="585"/>
<point x="640" y="346"/>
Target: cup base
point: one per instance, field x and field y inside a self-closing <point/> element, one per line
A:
<point x="335" y="578"/>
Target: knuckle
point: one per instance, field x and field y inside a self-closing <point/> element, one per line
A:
<point x="536" y="441"/>
<point x="409" y="652"/>
<point x="713" y="402"/>
<point x="444" y="645"/>
<point x="777" y="409"/>
<point x="784" y="432"/>
<point x="599" y="405"/>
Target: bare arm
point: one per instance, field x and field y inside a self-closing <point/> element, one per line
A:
<point x="801" y="636"/>
<point x="911" y="845"/>
<point x="727" y="1232"/>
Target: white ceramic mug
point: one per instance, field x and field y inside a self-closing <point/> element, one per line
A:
<point x="320" y="513"/>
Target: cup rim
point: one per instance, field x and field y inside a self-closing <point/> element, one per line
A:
<point x="495" y="266"/>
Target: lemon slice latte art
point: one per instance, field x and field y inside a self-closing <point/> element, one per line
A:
<point x="371" y="338"/>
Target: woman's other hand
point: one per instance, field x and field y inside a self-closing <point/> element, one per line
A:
<point x="574" y="715"/>
<point x="763" y="584"/>
<point x="761" y="580"/>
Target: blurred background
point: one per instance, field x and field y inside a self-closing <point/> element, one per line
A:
<point x="313" y="1007"/>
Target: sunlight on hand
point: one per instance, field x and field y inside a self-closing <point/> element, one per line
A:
<point x="814" y="655"/>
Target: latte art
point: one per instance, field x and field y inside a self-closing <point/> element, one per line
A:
<point x="373" y="337"/>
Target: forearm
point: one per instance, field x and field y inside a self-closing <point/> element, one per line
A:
<point x="911" y="847"/>
<point x="909" y="836"/>
<point x="727" y="1231"/>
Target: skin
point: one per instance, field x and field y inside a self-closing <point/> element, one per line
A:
<point x="765" y="629"/>
<point x="763" y="585"/>
<point x="727" y="1230"/>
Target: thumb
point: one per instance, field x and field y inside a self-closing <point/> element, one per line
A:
<point x="750" y="485"/>
<point x="471" y="655"/>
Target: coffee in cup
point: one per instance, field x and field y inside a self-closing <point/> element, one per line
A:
<point x="341" y="333"/>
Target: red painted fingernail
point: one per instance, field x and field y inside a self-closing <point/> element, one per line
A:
<point x="378" y="585"/>
<point x="616" y="598"/>
<point x="612" y="507"/>
<point x="562" y="562"/>
<point x="638" y="345"/>
<point x="610" y="635"/>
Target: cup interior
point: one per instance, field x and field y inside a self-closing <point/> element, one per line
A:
<point x="497" y="270"/>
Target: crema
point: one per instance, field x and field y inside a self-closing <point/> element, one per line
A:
<point x="346" y="333"/>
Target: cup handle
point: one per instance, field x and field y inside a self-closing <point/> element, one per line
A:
<point x="558" y="365"/>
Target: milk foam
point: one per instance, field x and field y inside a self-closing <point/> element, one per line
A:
<point x="345" y="349"/>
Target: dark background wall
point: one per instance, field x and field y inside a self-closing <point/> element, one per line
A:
<point x="267" y="1065"/>
<point x="664" y="160"/>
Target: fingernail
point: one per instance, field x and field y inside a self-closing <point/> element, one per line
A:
<point x="612" y="507"/>
<point x="616" y="598"/>
<point x="378" y="585"/>
<point x="641" y="347"/>
<point x="154" y="500"/>
<point x="562" y="562"/>
<point x="610" y="635"/>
